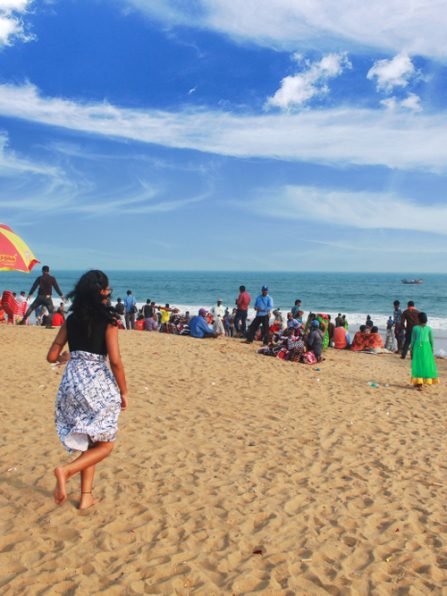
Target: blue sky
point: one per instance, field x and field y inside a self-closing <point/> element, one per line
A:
<point x="226" y="135"/>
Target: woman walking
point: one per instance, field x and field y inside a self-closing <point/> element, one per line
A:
<point x="90" y="395"/>
<point x="423" y="365"/>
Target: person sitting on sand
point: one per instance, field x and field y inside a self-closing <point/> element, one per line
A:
<point x="330" y="330"/>
<point x="90" y="396"/>
<point x="151" y="323"/>
<point x="299" y="317"/>
<point x="292" y="323"/>
<point x="58" y="318"/>
<point x="359" y="340"/>
<point x="199" y="328"/>
<point x="278" y="323"/>
<point x="315" y="339"/>
<point x="340" y="336"/>
<point x="310" y="317"/>
<point x="373" y="339"/>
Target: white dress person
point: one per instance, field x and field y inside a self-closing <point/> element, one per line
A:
<point x="218" y="312"/>
<point x="88" y="402"/>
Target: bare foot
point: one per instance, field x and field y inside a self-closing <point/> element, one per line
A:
<point x="87" y="500"/>
<point x="60" y="494"/>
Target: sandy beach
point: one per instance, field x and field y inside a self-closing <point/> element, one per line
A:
<point x="233" y="473"/>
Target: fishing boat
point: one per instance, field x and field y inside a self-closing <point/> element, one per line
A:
<point x="412" y="281"/>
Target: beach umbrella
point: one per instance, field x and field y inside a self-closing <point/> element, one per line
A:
<point x="15" y="255"/>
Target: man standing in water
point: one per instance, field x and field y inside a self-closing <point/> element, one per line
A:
<point x="45" y="283"/>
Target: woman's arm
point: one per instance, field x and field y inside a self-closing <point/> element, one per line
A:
<point x="116" y="364"/>
<point x="430" y="338"/>
<point x="54" y="353"/>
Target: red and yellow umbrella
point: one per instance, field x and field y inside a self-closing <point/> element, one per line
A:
<point x="15" y="255"/>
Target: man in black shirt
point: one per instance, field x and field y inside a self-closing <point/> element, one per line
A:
<point x="45" y="283"/>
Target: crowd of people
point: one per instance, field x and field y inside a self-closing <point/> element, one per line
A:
<point x="289" y="336"/>
<point x="93" y="388"/>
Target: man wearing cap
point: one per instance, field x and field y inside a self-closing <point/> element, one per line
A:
<point x="198" y="327"/>
<point x="263" y="306"/>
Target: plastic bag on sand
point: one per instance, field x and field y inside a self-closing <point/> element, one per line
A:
<point x="441" y="353"/>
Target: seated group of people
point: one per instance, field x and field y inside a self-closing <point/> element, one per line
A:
<point x="165" y="319"/>
<point x="304" y="342"/>
<point x="297" y="345"/>
<point x="367" y="338"/>
<point x="161" y="318"/>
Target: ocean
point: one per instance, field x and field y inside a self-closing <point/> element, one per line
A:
<point x="353" y="294"/>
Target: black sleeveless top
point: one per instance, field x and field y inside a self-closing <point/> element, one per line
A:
<point x="78" y="339"/>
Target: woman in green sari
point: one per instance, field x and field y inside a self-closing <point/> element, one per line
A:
<point x="423" y="366"/>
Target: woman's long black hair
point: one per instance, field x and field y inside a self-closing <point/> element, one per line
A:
<point x="88" y="302"/>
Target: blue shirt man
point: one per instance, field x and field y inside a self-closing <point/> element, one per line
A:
<point x="130" y="307"/>
<point x="263" y="306"/>
<point x="198" y="327"/>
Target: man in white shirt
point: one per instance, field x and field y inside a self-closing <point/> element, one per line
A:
<point x="218" y="312"/>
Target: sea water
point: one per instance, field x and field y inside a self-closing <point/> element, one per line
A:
<point x="352" y="294"/>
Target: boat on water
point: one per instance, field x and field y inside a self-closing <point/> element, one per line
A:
<point x="412" y="281"/>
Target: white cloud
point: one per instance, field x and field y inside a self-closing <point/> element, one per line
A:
<point x="42" y="188"/>
<point x="297" y="89"/>
<point x="14" y="5"/>
<point x="361" y="210"/>
<point x="13" y="165"/>
<point x="389" y="74"/>
<point x="11" y="25"/>
<point x="412" y="103"/>
<point x="394" y="26"/>
<point x="336" y="136"/>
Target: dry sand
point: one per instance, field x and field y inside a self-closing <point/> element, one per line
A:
<point x="233" y="473"/>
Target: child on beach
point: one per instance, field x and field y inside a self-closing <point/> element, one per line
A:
<point x="90" y="397"/>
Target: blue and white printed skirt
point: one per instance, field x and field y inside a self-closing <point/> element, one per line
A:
<point x="88" y="402"/>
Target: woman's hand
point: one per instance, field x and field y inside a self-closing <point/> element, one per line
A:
<point x="124" y="401"/>
<point x="64" y="357"/>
